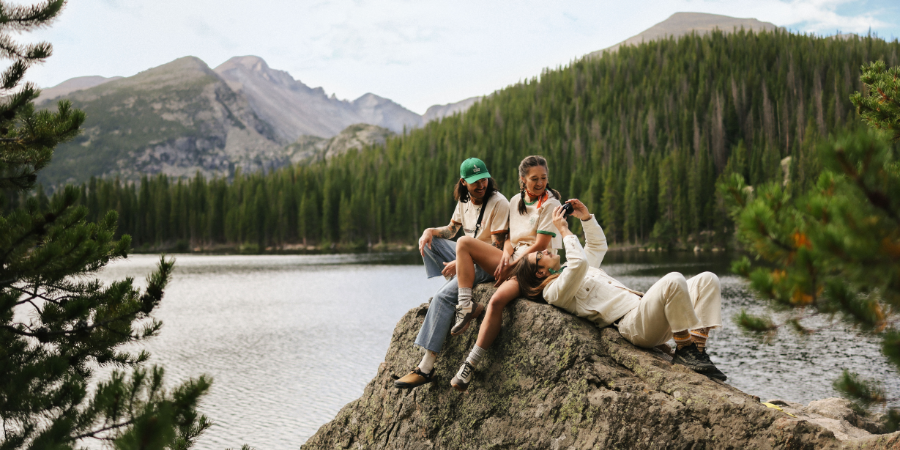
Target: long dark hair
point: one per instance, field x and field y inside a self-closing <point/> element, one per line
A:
<point x="461" y="192"/>
<point x="527" y="163"/>
<point x="530" y="285"/>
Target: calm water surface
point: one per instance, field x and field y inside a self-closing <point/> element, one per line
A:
<point x="289" y="340"/>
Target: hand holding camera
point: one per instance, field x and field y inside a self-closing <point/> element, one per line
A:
<point x="574" y="206"/>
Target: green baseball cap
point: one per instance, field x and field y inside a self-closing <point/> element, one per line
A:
<point x="472" y="170"/>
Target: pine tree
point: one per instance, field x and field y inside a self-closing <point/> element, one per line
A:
<point x="57" y="326"/>
<point x="833" y="248"/>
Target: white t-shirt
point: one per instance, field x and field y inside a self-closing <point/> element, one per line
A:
<point x="523" y="229"/>
<point x="495" y="220"/>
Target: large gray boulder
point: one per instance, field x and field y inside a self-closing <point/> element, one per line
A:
<point x="554" y="381"/>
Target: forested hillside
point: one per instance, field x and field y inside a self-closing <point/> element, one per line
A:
<point x="640" y="135"/>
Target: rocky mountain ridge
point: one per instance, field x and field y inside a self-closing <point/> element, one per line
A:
<point x="312" y="149"/>
<point x="294" y="109"/>
<point x="555" y="381"/>
<point x="179" y="119"/>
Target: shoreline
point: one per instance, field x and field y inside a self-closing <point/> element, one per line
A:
<point x="300" y="249"/>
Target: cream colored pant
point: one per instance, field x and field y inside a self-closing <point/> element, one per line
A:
<point x="673" y="304"/>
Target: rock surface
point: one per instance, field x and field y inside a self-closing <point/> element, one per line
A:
<point x="177" y="119"/>
<point x="554" y="381"/>
<point x="311" y="149"/>
<point x="438" y="112"/>
<point x="295" y="109"/>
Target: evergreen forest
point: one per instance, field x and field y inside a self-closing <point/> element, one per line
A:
<point x="641" y="136"/>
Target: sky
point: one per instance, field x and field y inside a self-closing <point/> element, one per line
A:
<point x="416" y="52"/>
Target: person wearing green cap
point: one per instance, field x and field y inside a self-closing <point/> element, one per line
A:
<point x="482" y="213"/>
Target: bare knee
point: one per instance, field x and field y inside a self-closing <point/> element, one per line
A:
<point x="497" y="303"/>
<point x="464" y="243"/>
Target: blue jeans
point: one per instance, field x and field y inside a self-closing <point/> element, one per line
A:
<point x="442" y="310"/>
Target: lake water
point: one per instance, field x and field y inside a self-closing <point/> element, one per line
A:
<point x="289" y="340"/>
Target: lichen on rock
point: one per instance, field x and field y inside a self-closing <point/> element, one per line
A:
<point x="555" y="381"/>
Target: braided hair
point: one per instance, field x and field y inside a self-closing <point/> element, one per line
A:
<point x="527" y="163"/>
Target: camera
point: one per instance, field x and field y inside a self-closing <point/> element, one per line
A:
<point x="567" y="209"/>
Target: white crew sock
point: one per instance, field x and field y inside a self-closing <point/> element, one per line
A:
<point x="427" y="363"/>
<point x="473" y="359"/>
<point x="475" y="356"/>
<point x="465" y="299"/>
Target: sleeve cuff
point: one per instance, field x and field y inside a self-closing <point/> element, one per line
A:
<point x="588" y="219"/>
<point x="552" y="234"/>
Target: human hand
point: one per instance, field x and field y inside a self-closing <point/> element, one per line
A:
<point x="425" y="240"/>
<point x="579" y="210"/>
<point x="505" y="275"/>
<point x="449" y="270"/>
<point x="559" y="220"/>
<point x="502" y="266"/>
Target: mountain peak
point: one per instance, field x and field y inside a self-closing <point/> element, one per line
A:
<point x="250" y="62"/>
<point x="682" y="23"/>
<point x="185" y="63"/>
<point x="72" y="85"/>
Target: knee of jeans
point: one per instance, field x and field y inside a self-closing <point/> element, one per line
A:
<point x="429" y="250"/>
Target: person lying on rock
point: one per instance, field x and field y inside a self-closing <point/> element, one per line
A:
<point x="672" y="307"/>
<point x="483" y="213"/>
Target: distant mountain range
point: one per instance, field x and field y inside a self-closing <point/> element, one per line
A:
<point x="184" y="117"/>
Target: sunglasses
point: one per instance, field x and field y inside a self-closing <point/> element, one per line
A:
<point x="537" y="257"/>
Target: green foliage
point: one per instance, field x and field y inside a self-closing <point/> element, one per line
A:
<point x="27" y="138"/>
<point x="881" y="107"/>
<point x="761" y="326"/>
<point x="833" y="247"/>
<point x="57" y="324"/>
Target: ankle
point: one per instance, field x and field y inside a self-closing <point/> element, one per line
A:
<point x="475" y="356"/>
<point x="427" y="363"/>
<point x="699" y="337"/>
<point x="682" y="339"/>
<point x="464" y="298"/>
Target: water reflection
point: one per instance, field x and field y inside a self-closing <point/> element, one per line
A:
<point x="290" y="340"/>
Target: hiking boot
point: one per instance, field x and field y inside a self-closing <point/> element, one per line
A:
<point x="691" y="357"/>
<point x="461" y="380"/>
<point x="413" y="379"/>
<point x="463" y="319"/>
<point x="713" y="373"/>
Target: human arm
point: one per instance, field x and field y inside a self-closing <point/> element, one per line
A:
<point x="595" y="246"/>
<point x="499" y="240"/>
<point x="561" y="292"/>
<point x="446" y="232"/>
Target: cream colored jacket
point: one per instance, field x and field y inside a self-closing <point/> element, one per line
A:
<point x="586" y="290"/>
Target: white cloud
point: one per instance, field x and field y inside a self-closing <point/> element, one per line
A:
<point x="414" y="52"/>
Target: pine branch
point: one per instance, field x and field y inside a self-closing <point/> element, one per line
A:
<point x="93" y="434"/>
<point x="22" y="18"/>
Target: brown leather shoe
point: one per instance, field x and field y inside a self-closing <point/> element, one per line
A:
<point x="413" y="379"/>
<point x="463" y="320"/>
